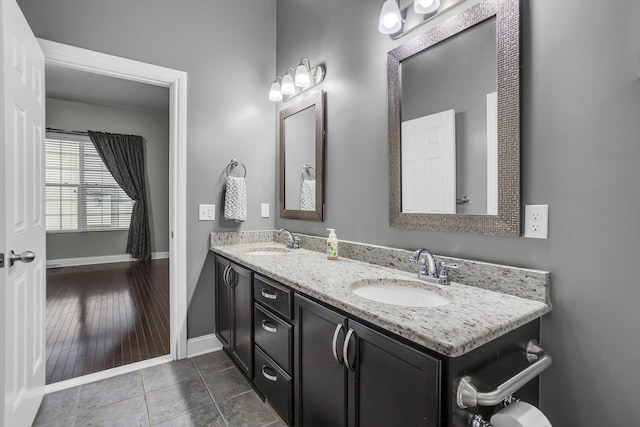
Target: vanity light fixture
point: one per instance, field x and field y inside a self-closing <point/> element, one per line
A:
<point x="390" y="21"/>
<point x="424" y="7"/>
<point x="295" y="82"/>
<point x="275" y="93"/>
<point x="302" y="77"/>
<point x="392" y="18"/>
<point x="288" y="87"/>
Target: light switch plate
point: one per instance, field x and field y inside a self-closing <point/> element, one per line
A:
<point x="265" y="210"/>
<point x="536" y="221"/>
<point x="207" y="212"/>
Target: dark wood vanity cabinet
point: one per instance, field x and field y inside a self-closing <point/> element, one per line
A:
<point x="371" y="380"/>
<point x="317" y="366"/>
<point x="234" y="312"/>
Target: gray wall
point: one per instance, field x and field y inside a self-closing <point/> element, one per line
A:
<point x="580" y="155"/>
<point x="154" y="128"/>
<point x="227" y="49"/>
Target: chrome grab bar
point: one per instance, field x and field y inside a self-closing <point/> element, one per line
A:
<point x="468" y="396"/>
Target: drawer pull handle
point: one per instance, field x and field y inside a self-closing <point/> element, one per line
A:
<point x="268" y="294"/>
<point x="267" y="373"/>
<point x="345" y="350"/>
<point x="269" y="327"/>
<point x="334" y="345"/>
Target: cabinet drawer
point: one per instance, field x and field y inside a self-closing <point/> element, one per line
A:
<point x="272" y="295"/>
<point x="274" y="336"/>
<point x="275" y="385"/>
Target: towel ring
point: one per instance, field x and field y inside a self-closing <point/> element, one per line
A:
<point x="233" y="164"/>
<point x="306" y="168"/>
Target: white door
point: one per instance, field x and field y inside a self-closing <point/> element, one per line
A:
<point x="429" y="164"/>
<point x="22" y="222"/>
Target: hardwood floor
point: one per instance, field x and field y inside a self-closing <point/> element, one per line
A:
<point x="105" y="315"/>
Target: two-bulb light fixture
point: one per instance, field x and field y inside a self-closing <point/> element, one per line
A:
<point x="294" y="82"/>
<point x="391" y="21"/>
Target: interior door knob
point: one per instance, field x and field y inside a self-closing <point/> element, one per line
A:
<point x="26" y="257"/>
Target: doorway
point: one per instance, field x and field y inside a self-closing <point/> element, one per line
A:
<point x="77" y="59"/>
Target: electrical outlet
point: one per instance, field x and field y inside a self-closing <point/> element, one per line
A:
<point x="536" y="221"/>
<point x="207" y="212"/>
<point x="265" y="210"/>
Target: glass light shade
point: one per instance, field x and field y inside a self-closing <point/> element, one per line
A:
<point x="274" y="92"/>
<point x="424" y="7"/>
<point x="303" y="79"/>
<point x="390" y="19"/>
<point x="287" y="87"/>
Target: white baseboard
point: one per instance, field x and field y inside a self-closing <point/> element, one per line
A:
<point x="69" y="262"/>
<point x="201" y="345"/>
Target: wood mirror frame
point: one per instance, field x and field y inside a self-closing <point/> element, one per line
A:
<point x="507" y="221"/>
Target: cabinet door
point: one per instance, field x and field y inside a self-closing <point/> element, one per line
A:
<point x="223" y="302"/>
<point x="242" y="345"/>
<point x="320" y="379"/>
<point x="391" y="384"/>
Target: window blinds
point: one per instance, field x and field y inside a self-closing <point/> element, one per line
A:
<point x="81" y="194"/>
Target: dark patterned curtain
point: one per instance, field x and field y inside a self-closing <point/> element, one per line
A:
<point x="124" y="157"/>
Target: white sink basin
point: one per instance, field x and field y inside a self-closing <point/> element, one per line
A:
<point x="405" y="293"/>
<point x="267" y="251"/>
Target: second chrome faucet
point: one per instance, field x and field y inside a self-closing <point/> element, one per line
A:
<point x="429" y="271"/>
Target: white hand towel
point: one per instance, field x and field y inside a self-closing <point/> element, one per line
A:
<point x="308" y="195"/>
<point x="235" y="200"/>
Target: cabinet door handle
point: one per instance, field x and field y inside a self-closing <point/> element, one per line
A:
<point x="334" y="345"/>
<point x="225" y="275"/>
<point x="232" y="277"/>
<point x="269" y="294"/>
<point x="345" y="350"/>
<point x="269" y="327"/>
<point x="269" y="375"/>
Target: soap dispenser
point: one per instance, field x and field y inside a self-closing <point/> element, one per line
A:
<point x="332" y="244"/>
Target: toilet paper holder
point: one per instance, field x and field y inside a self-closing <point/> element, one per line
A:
<point x="468" y="396"/>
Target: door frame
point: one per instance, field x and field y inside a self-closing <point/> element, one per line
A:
<point x="76" y="58"/>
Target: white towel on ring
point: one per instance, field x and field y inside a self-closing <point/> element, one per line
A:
<point x="235" y="199"/>
<point x="308" y="195"/>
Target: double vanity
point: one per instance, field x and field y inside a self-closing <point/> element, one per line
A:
<point x="363" y="341"/>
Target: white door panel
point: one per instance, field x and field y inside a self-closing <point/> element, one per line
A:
<point x="429" y="164"/>
<point x="22" y="285"/>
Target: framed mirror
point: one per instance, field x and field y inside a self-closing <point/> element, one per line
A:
<point x="302" y="159"/>
<point x="454" y="124"/>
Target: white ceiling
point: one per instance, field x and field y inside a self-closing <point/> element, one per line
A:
<point x="81" y="86"/>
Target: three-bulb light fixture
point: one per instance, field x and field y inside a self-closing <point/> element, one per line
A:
<point x="391" y="21"/>
<point x="294" y="82"/>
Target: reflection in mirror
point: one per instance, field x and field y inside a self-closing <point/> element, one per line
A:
<point x="300" y="149"/>
<point x="454" y="124"/>
<point x="301" y="159"/>
<point x="445" y="124"/>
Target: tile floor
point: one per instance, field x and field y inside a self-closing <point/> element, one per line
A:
<point x="207" y="390"/>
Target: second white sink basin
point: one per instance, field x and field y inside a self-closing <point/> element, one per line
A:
<point x="267" y="251"/>
<point x="405" y="293"/>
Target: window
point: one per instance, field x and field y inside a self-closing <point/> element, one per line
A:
<point x="81" y="194"/>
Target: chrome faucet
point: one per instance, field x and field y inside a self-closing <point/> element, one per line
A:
<point x="293" y="242"/>
<point x="429" y="268"/>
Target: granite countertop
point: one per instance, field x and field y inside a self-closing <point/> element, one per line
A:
<point x="474" y="317"/>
